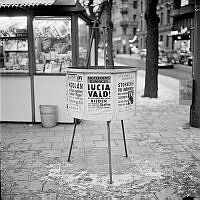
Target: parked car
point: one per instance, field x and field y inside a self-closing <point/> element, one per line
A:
<point x="173" y="57"/>
<point x="190" y="59"/>
<point x="164" y="64"/>
<point x="165" y="59"/>
<point x="143" y="53"/>
<point x="183" y="57"/>
<point x="134" y="50"/>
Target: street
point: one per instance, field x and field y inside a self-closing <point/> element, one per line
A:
<point x="180" y="72"/>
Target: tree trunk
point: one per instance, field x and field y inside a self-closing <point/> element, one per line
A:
<point x="151" y="77"/>
<point x="109" y="26"/>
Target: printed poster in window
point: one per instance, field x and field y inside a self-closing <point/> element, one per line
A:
<point x="98" y="93"/>
<point x="126" y="88"/>
<point x="75" y="92"/>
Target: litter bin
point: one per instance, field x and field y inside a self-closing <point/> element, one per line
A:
<point x="48" y="115"/>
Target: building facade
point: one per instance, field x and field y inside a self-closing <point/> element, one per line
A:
<point x="183" y="25"/>
<point x="125" y="25"/>
<point x="142" y="31"/>
<point x="175" y="26"/>
<point x="164" y="10"/>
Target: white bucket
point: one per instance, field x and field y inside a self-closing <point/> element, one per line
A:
<point x="48" y="115"/>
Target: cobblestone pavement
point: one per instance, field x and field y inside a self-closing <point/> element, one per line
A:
<point x="163" y="157"/>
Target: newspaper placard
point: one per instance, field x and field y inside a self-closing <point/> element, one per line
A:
<point x="75" y="92"/>
<point x="126" y="97"/>
<point x="99" y="93"/>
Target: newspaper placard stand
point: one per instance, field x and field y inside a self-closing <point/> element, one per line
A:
<point x="101" y="95"/>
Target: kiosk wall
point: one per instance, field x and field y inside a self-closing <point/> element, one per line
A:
<point x="15" y="98"/>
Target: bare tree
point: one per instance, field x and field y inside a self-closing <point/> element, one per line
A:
<point x="109" y="25"/>
<point x="96" y="9"/>
<point x="151" y="77"/>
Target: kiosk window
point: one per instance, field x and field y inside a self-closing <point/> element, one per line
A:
<point x="13" y="44"/>
<point x="53" y="49"/>
<point x="83" y="34"/>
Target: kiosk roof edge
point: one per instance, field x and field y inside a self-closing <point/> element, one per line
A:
<point x="104" y="71"/>
<point x="24" y="3"/>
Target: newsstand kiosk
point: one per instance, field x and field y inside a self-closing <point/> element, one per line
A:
<point x="39" y="40"/>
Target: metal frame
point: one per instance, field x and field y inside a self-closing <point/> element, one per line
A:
<point x="32" y="65"/>
<point x="109" y="145"/>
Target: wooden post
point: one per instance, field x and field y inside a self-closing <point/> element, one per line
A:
<point x="32" y="65"/>
<point x="195" y="107"/>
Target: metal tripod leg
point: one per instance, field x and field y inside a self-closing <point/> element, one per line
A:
<point x="124" y="138"/>
<point x="72" y="140"/>
<point x="109" y="151"/>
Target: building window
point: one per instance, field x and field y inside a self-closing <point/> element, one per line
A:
<point x="161" y="38"/>
<point x="135" y="4"/>
<point x="167" y="41"/>
<point x="134" y="17"/>
<point x="161" y="18"/>
<point x="141" y="6"/>
<point x="134" y="30"/>
<point x="124" y="30"/>
<point x="168" y="16"/>
<point x="184" y="2"/>
<point x="141" y="25"/>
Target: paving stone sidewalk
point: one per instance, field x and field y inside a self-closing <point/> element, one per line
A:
<point x="163" y="156"/>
